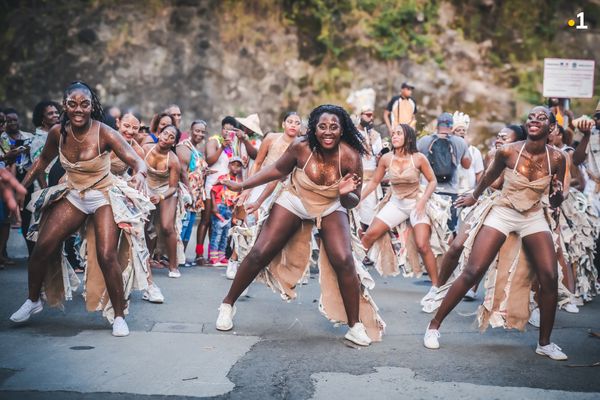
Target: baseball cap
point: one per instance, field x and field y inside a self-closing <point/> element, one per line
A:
<point x="445" y="119"/>
<point x="407" y="85"/>
<point x="234" y="159"/>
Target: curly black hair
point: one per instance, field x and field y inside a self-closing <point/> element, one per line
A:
<point x="38" y="111"/>
<point x="350" y="134"/>
<point x="97" y="111"/>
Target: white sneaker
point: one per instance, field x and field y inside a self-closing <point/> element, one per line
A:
<point x="358" y="334"/>
<point x="120" y="327"/>
<point x="551" y="350"/>
<point x="470" y="295"/>
<point x="232" y="267"/>
<point x="27" y="310"/>
<point x="430" y="295"/>
<point x="225" y="318"/>
<point x="153" y="294"/>
<point x="571" y="308"/>
<point x="431" y="306"/>
<point x="174" y="274"/>
<point x="534" y="318"/>
<point x="430" y="340"/>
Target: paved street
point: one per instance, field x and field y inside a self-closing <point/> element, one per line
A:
<point x="279" y="350"/>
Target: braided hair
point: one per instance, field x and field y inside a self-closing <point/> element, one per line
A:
<point x="97" y="111"/>
<point x="350" y="134"/>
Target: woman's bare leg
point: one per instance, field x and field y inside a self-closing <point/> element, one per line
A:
<point x="107" y="241"/>
<point x="204" y="225"/>
<point x="376" y="230"/>
<point x="277" y="230"/>
<point x="487" y="242"/>
<point x="451" y="258"/>
<point x="61" y="221"/>
<point x="422" y="240"/>
<point x="540" y="251"/>
<point x="168" y="211"/>
<point x="335" y="233"/>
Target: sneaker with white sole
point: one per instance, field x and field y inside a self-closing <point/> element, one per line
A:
<point x="470" y="295"/>
<point x="571" y="308"/>
<point x="153" y="294"/>
<point x="120" y="328"/>
<point x="430" y="340"/>
<point x="534" y="318"/>
<point x="174" y="274"/>
<point x="430" y="295"/>
<point x="225" y="318"/>
<point x="231" y="271"/>
<point x="551" y="350"/>
<point x="27" y="310"/>
<point x="358" y="334"/>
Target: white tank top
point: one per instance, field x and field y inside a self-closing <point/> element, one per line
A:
<point x="221" y="167"/>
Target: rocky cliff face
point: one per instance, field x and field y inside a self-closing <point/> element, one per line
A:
<point x="216" y="58"/>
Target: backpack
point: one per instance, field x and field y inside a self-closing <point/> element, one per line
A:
<point x="442" y="159"/>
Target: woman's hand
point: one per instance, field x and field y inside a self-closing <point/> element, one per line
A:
<point x="13" y="193"/>
<point x="586" y="126"/>
<point x="232" y="185"/>
<point x="154" y="199"/>
<point x="556" y="197"/>
<point x="252" y="207"/>
<point x="348" y="184"/>
<point x="420" y="208"/>
<point x="465" y="200"/>
<point x="139" y="182"/>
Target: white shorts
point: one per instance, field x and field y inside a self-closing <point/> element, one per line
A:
<point x="293" y="204"/>
<point x="92" y="200"/>
<point x="507" y="220"/>
<point x="396" y="211"/>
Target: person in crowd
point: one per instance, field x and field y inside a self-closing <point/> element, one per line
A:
<point x="401" y="109"/>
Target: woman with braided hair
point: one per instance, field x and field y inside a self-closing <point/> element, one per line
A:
<point x="326" y="174"/>
<point x="91" y="199"/>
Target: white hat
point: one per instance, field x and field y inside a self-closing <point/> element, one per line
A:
<point x="460" y="119"/>
<point x="251" y="122"/>
<point x="362" y="100"/>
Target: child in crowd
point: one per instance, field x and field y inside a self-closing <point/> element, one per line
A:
<point x="223" y="203"/>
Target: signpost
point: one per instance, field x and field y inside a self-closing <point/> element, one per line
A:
<point x="566" y="78"/>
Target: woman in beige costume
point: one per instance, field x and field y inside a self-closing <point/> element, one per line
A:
<point x="326" y="172"/>
<point x="94" y="199"/>
<point x="529" y="169"/>
<point x="405" y="201"/>
<point x="164" y="189"/>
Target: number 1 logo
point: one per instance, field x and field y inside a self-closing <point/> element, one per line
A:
<point x="581" y="19"/>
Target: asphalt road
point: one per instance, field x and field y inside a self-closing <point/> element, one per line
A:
<point x="280" y="350"/>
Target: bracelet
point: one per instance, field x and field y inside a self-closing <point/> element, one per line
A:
<point x="473" y="196"/>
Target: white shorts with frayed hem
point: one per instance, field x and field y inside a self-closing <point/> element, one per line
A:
<point x="508" y="220"/>
<point x="293" y="204"/>
<point x="89" y="202"/>
<point x="396" y="211"/>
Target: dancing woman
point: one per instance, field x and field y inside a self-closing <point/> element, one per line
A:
<point x="325" y="168"/>
<point x="129" y="125"/>
<point x="405" y="201"/>
<point x="529" y="167"/>
<point x="90" y="198"/>
<point x="164" y="190"/>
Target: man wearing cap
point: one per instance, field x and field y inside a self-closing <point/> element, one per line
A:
<point x="445" y="153"/>
<point x="401" y="109"/>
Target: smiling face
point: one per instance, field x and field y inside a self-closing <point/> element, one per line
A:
<point x="292" y="125"/>
<point x="329" y="131"/>
<point x="78" y="107"/>
<point x="50" y="116"/>
<point x="167" y="138"/>
<point x="129" y="126"/>
<point x="538" y="123"/>
<point x="198" y="132"/>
